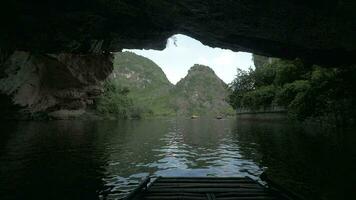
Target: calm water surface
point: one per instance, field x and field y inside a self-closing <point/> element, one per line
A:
<point x="106" y="159"/>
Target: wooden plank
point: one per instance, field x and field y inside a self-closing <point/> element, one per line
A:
<point x="204" y="181"/>
<point x="248" y="198"/>
<point x="174" y="194"/>
<point x="207" y="198"/>
<point x="204" y="190"/>
<point x="207" y="182"/>
<point x="210" y="196"/>
<point x="138" y="189"/>
<point x="206" y="178"/>
<point x="239" y="194"/>
<point x="175" y="197"/>
<point x="206" y="185"/>
<point x="203" y="177"/>
<point x="202" y="194"/>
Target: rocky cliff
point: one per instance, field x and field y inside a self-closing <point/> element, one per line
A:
<point x="148" y="84"/>
<point x="201" y="92"/>
<point x="139" y="73"/>
<point x="60" y="85"/>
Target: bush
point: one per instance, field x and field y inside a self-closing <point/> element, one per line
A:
<point x="288" y="71"/>
<point x="290" y="90"/>
<point x="243" y="83"/>
<point x="116" y="103"/>
<point x="260" y="98"/>
<point x="264" y="75"/>
<point x="325" y="94"/>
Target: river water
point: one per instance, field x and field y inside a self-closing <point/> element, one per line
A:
<point x="107" y="159"/>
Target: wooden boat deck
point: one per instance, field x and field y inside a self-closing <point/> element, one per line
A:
<point x="203" y="188"/>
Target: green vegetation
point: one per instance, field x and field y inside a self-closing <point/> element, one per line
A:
<point x="139" y="88"/>
<point x="116" y="103"/>
<point x="148" y="85"/>
<point x="201" y="92"/>
<point x="307" y="92"/>
<point x="134" y="89"/>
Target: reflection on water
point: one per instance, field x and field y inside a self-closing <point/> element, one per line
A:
<point x="105" y="160"/>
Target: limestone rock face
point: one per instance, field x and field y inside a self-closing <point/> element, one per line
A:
<point x="320" y="31"/>
<point x="201" y="92"/>
<point x="49" y="83"/>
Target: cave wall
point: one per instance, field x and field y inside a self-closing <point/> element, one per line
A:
<point x="59" y="85"/>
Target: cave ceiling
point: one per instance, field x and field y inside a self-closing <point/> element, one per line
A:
<point x="321" y="32"/>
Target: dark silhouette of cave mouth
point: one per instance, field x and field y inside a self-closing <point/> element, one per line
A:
<point x="68" y="41"/>
<point x="320" y="32"/>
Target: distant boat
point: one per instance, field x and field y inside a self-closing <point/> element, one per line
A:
<point x="194" y="117"/>
<point x="219" y="117"/>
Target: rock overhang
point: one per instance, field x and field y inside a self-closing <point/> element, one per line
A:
<point x="321" y="32"/>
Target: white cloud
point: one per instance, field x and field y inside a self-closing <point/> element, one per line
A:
<point x="203" y="61"/>
<point x="224" y="59"/>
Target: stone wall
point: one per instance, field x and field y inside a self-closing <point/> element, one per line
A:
<point x="271" y="109"/>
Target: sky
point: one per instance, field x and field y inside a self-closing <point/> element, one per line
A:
<point x="182" y="52"/>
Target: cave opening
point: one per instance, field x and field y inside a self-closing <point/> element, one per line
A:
<point x="186" y="78"/>
<point x="63" y="86"/>
<point x="136" y="83"/>
<point x="82" y="120"/>
<point x="182" y="52"/>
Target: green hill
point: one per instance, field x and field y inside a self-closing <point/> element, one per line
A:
<point x="201" y="92"/>
<point x="148" y="85"/>
<point x="138" y="72"/>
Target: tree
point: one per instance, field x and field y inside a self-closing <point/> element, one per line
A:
<point x="325" y="94"/>
<point x="243" y="83"/>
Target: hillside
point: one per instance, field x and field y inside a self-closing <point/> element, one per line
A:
<point x="201" y="92"/>
<point x="148" y="85"/>
<point x="138" y="72"/>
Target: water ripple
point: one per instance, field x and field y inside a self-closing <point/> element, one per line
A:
<point x="177" y="152"/>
